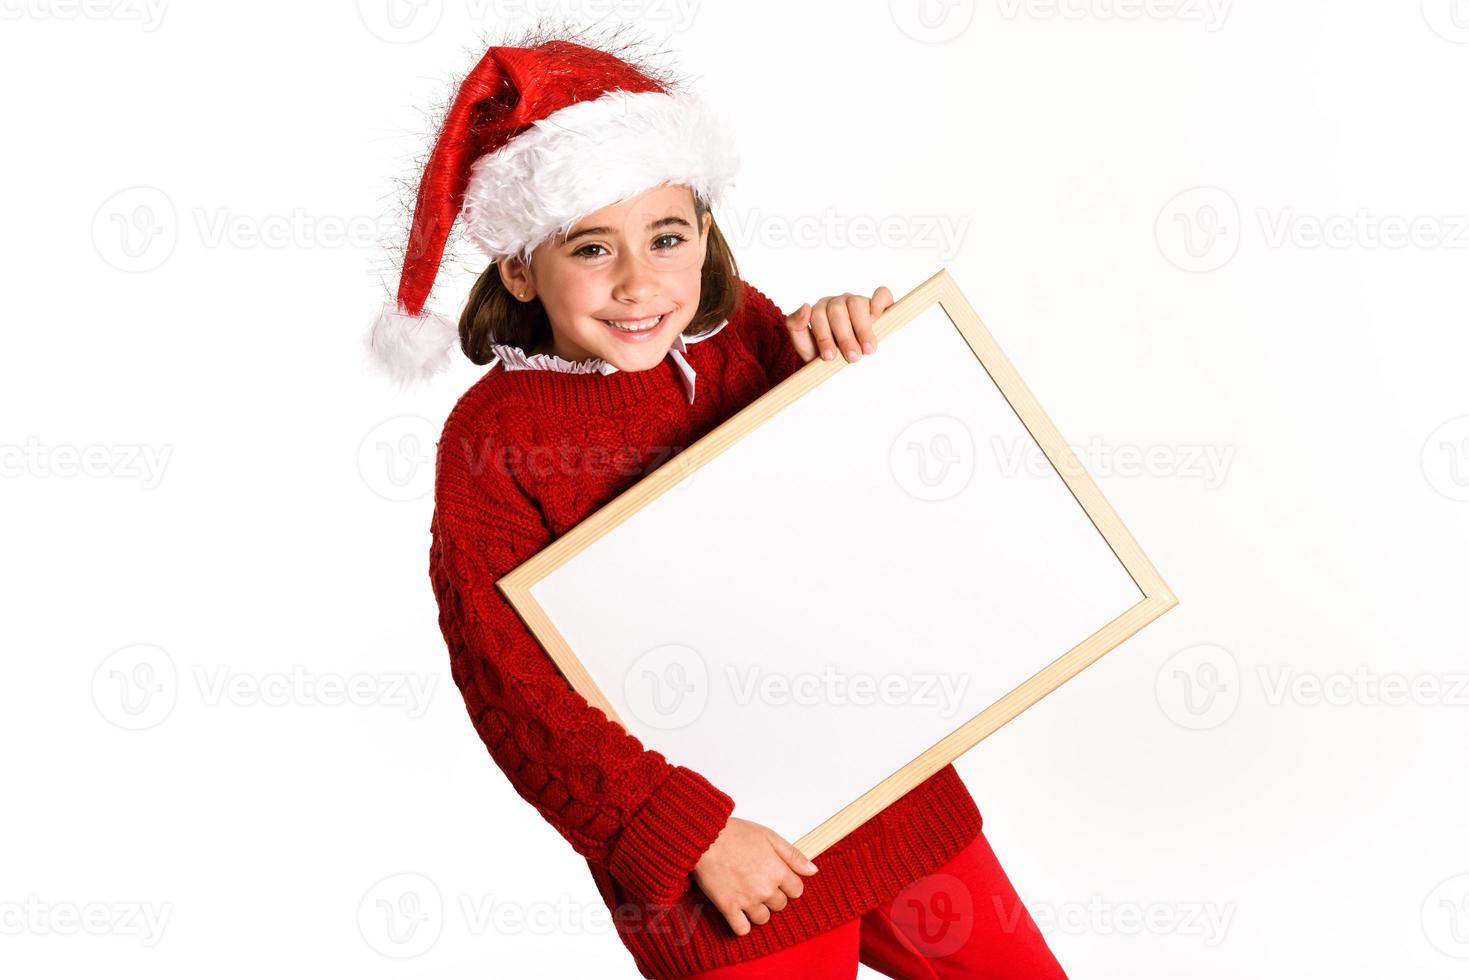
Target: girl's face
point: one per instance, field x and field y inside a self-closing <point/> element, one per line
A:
<point x="622" y="283"/>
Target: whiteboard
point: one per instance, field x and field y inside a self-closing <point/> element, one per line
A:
<point x="884" y="552"/>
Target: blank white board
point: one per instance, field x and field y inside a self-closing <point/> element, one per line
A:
<point x="884" y="552"/>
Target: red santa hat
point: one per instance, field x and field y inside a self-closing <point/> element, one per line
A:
<point x="539" y="136"/>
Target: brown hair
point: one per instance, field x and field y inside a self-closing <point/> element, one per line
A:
<point x="493" y="316"/>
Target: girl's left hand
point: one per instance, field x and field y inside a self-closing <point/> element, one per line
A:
<point x="843" y="321"/>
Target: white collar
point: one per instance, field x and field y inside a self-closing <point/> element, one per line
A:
<point x="516" y="359"/>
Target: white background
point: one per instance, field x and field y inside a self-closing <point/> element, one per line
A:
<point x="194" y="200"/>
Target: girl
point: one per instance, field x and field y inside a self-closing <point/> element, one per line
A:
<point x="623" y="334"/>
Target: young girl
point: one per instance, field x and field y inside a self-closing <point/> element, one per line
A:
<point x="623" y="334"/>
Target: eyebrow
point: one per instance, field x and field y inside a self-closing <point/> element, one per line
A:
<point x="660" y="223"/>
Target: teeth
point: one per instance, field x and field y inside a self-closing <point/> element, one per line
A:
<point x="633" y="324"/>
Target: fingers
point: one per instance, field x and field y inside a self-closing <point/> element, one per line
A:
<point x="744" y="911"/>
<point x="841" y="323"/>
<point x="738" y="922"/>
<point x="821" y="330"/>
<point x="860" y="312"/>
<point x="881" y="300"/>
<point x="800" y="334"/>
<point x="793" y="858"/>
<point x="839" y="315"/>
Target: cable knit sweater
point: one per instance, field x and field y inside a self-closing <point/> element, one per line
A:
<point x="527" y="454"/>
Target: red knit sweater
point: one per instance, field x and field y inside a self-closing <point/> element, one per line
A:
<point x="525" y="456"/>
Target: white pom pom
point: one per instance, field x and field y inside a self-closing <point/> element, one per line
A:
<point x="410" y="348"/>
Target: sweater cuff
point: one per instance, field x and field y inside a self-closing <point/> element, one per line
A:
<point x="666" y="837"/>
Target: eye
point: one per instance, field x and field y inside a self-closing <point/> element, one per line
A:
<point x="677" y="239"/>
<point x="583" y="251"/>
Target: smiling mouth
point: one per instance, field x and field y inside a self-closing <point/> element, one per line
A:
<point x="644" y="327"/>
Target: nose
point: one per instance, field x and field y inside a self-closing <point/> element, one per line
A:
<point x="635" y="283"/>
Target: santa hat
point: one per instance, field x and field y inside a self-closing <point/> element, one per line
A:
<point x="538" y="136"/>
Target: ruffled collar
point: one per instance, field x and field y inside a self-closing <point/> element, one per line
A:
<point x="516" y="359"/>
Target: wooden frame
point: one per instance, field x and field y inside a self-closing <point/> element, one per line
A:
<point x="939" y="289"/>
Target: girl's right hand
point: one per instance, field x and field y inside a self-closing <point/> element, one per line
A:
<point x="749" y="872"/>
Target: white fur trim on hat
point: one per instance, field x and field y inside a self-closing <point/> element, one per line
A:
<point x="590" y="155"/>
<point x="410" y="348"/>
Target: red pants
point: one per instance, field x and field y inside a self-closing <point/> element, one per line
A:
<point x="964" y="920"/>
